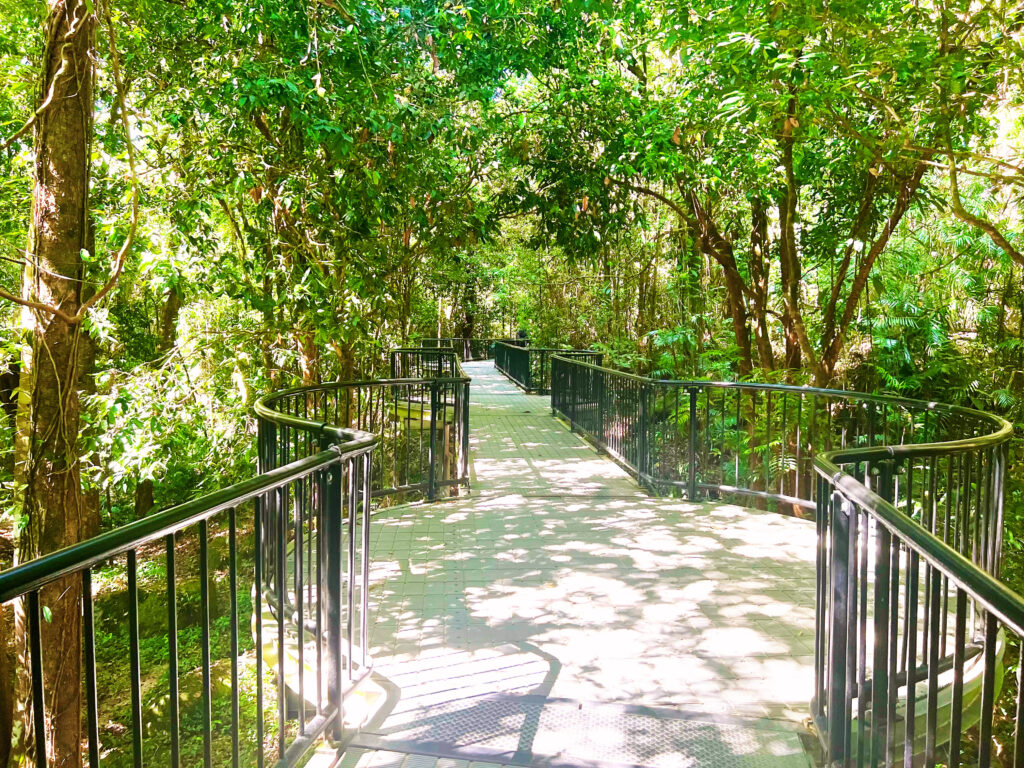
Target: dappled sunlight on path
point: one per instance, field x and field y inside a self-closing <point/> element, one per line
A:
<point x="559" y="580"/>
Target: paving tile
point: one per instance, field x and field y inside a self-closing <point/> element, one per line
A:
<point x="382" y="759"/>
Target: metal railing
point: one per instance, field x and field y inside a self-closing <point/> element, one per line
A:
<point x="530" y="367"/>
<point x="470" y="349"/>
<point x="914" y="628"/>
<point x="314" y="508"/>
<point x="421" y="362"/>
<point x="912" y="622"/>
<point x="285" y="554"/>
<point x="420" y="418"/>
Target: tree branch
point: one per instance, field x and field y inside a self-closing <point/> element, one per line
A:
<point x="966" y="216"/>
<point x="133" y="225"/>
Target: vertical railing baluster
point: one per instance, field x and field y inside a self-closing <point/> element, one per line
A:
<point x="170" y="542"/>
<point x="691" y="475"/>
<point x="838" y="700"/>
<point x="910" y="665"/>
<point x="957" y="699"/>
<point x="35" y="641"/>
<point x="891" y="676"/>
<point x="1018" y="728"/>
<point x="864" y="525"/>
<point x="204" y="617"/>
<point x="333" y="542"/>
<point x="135" y="666"/>
<point x="351" y="489"/>
<point x="465" y="434"/>
<point x="89" y="653"/>
<point x="852" y="623"/>
<point x="259" y="554"/>
<point x="988" y="689"/>
<point x="880" y="662"/>
<point x="281" y="597"/>
<point x="236" y="715"/>
<point x="932" y="650"/>
<point x="365" y="558"/>
<point x="641" y="449"/>
<point x="298" y="543"/>
<point x="432" y="468"/>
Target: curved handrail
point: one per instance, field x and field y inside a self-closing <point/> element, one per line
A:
<point x="1003" y="428"/>
<point x="311" y="502"/>
<point x="909" y="540"/>
<point x="433" y="401"/>
<point x="986" y="589"/>
<point x="62" y="581"/>
<point x="52" y="567"/>
<point x="530" y="367"/>
<point x="988" y="430"/>
<point x="264" y="406"/>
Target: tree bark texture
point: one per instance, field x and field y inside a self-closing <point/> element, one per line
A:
<point x="47" y="467"/>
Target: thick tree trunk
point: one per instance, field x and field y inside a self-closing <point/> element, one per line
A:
<point x="143" y="498"/>
<point x="738" y="313"/>
<point x="715" y="246"/>
<point x="7" y="684"/>
<point x="269" y="325"/>
<point x="46" y="451"/>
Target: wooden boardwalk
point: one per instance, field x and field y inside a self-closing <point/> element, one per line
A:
<point x="557" y="616"/>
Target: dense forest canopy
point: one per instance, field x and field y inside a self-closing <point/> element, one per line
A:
<point x="203" y="201"/>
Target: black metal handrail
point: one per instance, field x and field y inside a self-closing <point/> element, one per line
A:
<point x="910" y="488"/>
<point x="421" y="418"/>
<point x="426" y="362"/>
<point x="743" y="438"/>
<point x="470" y="348"/>
<point x="910" y="545"/>
<point x="306" y="499"/>
<point x="530" y="367"/>
<point x="327" y="455"/>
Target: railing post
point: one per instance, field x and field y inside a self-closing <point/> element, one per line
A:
<point x="691" y="478"/>
<point x="432" y="475"/>
<point x="554" y="393"/>
<point x="838" y="715"/>
<point x="642" y="448"/>
<point x="881" y="628"/>
<point x="332" y="540"/>
<point x="599" y="382"/>
<point x="464" y="469"/>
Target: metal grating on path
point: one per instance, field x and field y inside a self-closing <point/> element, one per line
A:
<point x="557" y="580"/>
<point x="536" y="731"/>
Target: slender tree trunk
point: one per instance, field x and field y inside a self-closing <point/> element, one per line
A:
<point x="309" y="356"/>
<point x="832" y="347"/>
<point x="759" y="278"/>
<point x="169" y="319"/>
<point x="269" y="330"/>
<point x="789" y="258"/>
<point x="51" y="505"/>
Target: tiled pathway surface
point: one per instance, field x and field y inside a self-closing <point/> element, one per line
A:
<point x="559" y="616"/>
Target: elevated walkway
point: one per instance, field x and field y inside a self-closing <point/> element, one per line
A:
<point x="558" y="616"/>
